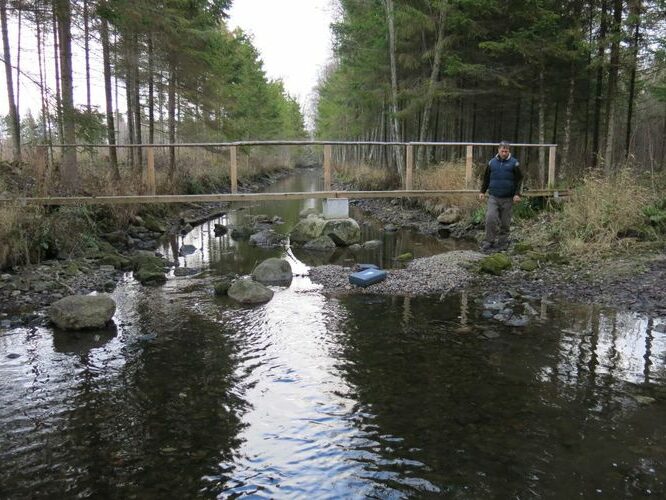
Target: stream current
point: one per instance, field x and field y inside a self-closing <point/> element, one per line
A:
<point x="309" y="396"/>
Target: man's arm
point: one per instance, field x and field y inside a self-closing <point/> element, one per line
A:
<point x="486" y="180"/>
<point x="517" y="180"/>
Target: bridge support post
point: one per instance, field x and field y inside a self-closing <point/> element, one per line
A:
<point x="469" y="163"/>
<point x="233" y="168"/>
<point x="409" y="171"/>
<point x="551" y="166"/>
<point x="150" y="171"/>
<point x="328" y="153"/>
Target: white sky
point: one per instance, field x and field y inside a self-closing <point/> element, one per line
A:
<point x="293" y="38"/>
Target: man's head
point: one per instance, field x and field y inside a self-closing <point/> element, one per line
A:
<point x="504" y="149"/>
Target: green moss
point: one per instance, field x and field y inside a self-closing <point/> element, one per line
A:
<point x="404" y="257"/>
<point x="529" y="265"/>
<point x="495" y="263"/>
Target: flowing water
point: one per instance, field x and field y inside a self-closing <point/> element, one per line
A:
<point x="193" y="396"/>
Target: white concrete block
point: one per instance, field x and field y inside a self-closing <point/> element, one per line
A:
<point x="336" y="208"/>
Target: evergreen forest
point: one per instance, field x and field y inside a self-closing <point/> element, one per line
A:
<point x="587" y="75"/>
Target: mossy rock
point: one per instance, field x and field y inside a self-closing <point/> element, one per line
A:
<point x="521" y="247"/>
<point x="150" y="276"/>
<point x="116" y="260"/>
<point x="222" y="285"/>
<point x="529" y="265"/>
<point x="537" y="256"/>
<point x="153" y="224"/>
<point x="495" y="263"/>
<point x="148" y="261"/>
<point x="404" y="257"/>
<point x="557" y="258"/>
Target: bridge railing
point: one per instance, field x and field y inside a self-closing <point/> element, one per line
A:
<point x="149" y="177"/>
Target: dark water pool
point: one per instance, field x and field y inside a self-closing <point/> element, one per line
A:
<point x="192" y="396"/>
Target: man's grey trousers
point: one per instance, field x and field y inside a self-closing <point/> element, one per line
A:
<point x="498" y="219"/>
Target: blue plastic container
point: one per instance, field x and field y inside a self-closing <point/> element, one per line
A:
<point x="367" y="277"/>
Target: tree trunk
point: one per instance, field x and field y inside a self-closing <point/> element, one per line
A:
<point x="542" y="129"/>
<point x="612" y="84"/>
<point x="568" y="114"/>
<point x="13" y="111"/>
<point x="18" y="68"/>
<point x="108" y="93"/>
<point x="86" y="48"/>
<point x="151" y="91"/>
<point x="395" y="124"/>
<point x="636" y="14"/>
<point x="42" y="78"/>
<point x="56" y="65"/>
<point x="129" y="88"/>
<point x="432" y="82"/>
<point x="172" y="121"/>
<point x="601" y="50"/>
<point x="137" y="99"/>
<point x="70" y="173"/>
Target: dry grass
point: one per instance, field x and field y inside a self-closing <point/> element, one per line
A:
<point x="444" y="176"/>
<point x="366" y="178"/>
<point x="599" y="212"/>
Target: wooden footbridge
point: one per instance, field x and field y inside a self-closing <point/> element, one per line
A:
<point x="408" y="191"/>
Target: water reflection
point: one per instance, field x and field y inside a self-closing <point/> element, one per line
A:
<point x="309" y="396"/>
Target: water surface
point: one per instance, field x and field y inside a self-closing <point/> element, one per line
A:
<point x="193" y="396"/>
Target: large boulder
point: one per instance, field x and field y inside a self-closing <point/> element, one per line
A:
<point x="273" y="271"/>
<point x="307" y="229"/>
<point x="267" y="238"/>
<point x="343" y="232"/>
<point x="450" y="216"/>
<point x="247" y="291"/>
<point x="321" y="244"/>
<point x="79" y="312"/>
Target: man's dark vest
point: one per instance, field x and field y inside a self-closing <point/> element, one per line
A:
<point x="502" y="182"/>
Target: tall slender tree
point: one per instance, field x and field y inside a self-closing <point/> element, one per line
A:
<point x="13" y="111"/>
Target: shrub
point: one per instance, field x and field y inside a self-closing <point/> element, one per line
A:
<point x="599" y="211"/>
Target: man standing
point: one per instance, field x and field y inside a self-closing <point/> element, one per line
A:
<point x="501" y="179"/>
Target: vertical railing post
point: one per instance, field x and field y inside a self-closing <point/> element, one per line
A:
<point x="469" y="163"/>
<point x="233" y="168"/>
<point x="151" y="187"/>
<point x="40" y="169"/>
<point x="327" y="166"/>
<point x="551" y="166"/>
<point x="409" y="171"/>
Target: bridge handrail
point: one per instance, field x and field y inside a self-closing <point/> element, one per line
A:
<point x="233" y="156"/>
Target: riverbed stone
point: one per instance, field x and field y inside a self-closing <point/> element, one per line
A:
<point x="495" y="263"/>
<point x="307" y="212"/>
<point x="321" y="244"/>
<point x="343" y="232"/>
<point x="220" y="229"/>
<point x="268" y="238"/>
<point x="372" y="244"/>
<point x="450" y="216"/>
<point x="187" y="250"/>
<point x="79" y="312"/>
<point x="116" y="260"/>
<point x="273" y="271"/>
<point x="247" y="291"/>
<point x="222" y="285"/>
<point x="307" y="229"/>
<point x="153" y="224"/>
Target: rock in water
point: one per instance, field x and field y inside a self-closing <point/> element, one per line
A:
<point x="247" y="291"/>
<point x="273" y="271"/>
<point x="79" y="312"/>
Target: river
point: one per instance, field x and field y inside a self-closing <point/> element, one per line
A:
<point x="194" y="396"/>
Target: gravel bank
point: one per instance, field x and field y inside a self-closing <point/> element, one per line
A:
<point x="438" y="274"/>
